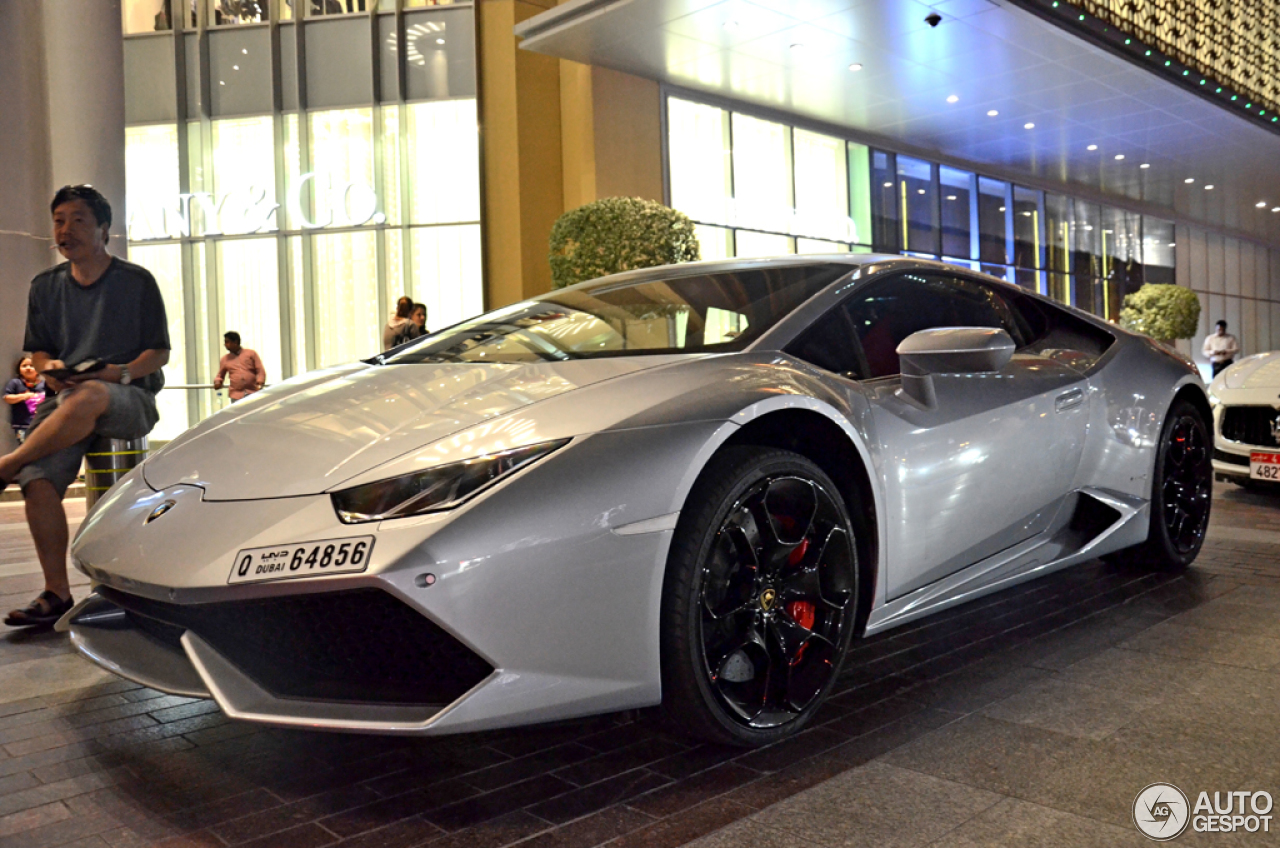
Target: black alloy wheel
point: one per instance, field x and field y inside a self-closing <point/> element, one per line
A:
<point x="760" y="599"/>
<point x="1182" y="491"/>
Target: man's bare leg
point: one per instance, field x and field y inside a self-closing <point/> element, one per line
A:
<point x="71" y="422"/>
<point x="48" y="523"/>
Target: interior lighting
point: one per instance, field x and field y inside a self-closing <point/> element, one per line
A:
<point x="1173" y="244"/>
<point x="888" y="185"/>
<point x="1189" y="180"/>
<point x="1001" y="208"/>
<point x="1275" y="208"/>
<point x="1209" y="187"/>
<point x="1092" y="147"/>
<point x="856" y="66"/>
<point x="953" y="99"/>
<point x="439" y="41"/>
<point x="235" y="67"/>
<point x="1144" y="165"/>
<point x="953" y="197"/>
<point x="1028" y="126"/>
<point x="1261" y="204"/>
<point x="919" y="191"/>
<point x="244" y="50"/>
<point x="991" y="113"/>
<point x="1119" y="156"/>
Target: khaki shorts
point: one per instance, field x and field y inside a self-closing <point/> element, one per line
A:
<point x="131" y="414"/>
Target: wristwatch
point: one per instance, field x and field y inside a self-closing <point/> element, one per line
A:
<point x="125" y="377"/>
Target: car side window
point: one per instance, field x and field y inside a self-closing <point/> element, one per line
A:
<point x="891" y="310"/>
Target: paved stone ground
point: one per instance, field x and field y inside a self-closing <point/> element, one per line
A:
<point x="1032" y="717"/>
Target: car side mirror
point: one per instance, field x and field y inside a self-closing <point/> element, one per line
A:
<point x="949" y="350"/>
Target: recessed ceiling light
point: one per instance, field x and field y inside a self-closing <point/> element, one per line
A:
<point x="439" y="41"/>
<point x="244" y="50"/>
<point x="1088" y="227"/>
<point x="1092" y="147"/>
<point x="856" y="66"/>
<point x="953" y="98"/>
<point x="1275" y="208"/>
<point x="919" y="191"/>
<point x="1028" y="126"/>
<point x="1189" y="180"/>
<point x="953" y="197"/>
<point x="1144" y="165"/>
<point x="235" y="67"/>
<point x="1261" y="204"/>
<point x="991" y="113"/>
<point x="1173" y="244"/>
<point x="1001" y="208"/>
<point x="888" y="185"/>
<point x="1119" y="156"/>
<point x="1026" y="214"/>
<point x="1209" y="187"/>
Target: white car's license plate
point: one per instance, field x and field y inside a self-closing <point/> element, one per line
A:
<point x="302" y="559"/>
<point x="1264" y="466"/>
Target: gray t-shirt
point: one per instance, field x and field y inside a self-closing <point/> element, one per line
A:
<point x="115" y="319"/>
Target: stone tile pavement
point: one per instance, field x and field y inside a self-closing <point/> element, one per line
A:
<point x="1032" y="717"/>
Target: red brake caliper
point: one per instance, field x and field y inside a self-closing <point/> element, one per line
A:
<point x="802" y="612"/>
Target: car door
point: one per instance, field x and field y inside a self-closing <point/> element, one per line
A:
<point x="989" y="464"/>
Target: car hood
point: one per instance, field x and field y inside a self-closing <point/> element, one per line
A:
<point x="1260" y="371"/>
<point x="309" y="434"/>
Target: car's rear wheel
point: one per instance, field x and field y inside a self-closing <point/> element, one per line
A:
<point x="1181" y="491"/>
<point x="759" y="600"/>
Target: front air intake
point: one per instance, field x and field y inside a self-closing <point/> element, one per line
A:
<point x="361" y="645"/>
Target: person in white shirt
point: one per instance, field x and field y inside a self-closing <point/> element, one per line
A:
<point x="1220" y="348"/>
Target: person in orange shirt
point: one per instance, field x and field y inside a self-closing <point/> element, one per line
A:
<point x="242" y="365"/>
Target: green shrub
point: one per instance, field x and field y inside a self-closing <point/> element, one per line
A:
<point x="1164" y="312"/>
<point x="618" y="234"/>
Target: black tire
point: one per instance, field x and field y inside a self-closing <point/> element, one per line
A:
<point x="1181" y="491"/>
<point x="762" y="578"/>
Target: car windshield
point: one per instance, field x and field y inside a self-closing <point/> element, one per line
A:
<point x="703" y="313"/>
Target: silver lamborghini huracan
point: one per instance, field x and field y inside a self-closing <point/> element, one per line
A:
<point x="690" y="486"/>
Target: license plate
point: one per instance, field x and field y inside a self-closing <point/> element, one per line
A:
<point x="303" y="559"/>
<point x="1264" y="466"/>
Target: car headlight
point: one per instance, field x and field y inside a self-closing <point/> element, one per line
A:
<point x="434" y="489"/>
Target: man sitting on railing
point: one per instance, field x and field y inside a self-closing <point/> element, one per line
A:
<point x="97" y="331"/>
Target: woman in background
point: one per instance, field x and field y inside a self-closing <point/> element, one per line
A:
<point x="23" y="394"/>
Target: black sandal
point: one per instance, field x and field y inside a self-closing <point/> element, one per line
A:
<point x="44" y="611"/>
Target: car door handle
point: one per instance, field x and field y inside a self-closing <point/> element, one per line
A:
<point x="1069" y="400"/>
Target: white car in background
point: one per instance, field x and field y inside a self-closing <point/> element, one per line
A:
<point x="1246" y="421"/>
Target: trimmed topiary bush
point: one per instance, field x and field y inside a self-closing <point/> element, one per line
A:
<point x="618" y="234"/>
<point x="1164" y="312"/>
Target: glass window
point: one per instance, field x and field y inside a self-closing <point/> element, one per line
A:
<point x="1120" y="248"/>
<point x="1027" y="217"/>
<point x="244" y="181"/>
<point x="918" y="192"/>
<point x="860" y="193"/>
<point x="146" y="16"/>
<point x="443" y="162"/>
<point x="151" y="176"/>
<point x="230" y="12"/>
<point x="888" y="312"/>
<point x="700" y="165"/>
<point x="884" y="202"/>
<point x="958" y="189"/>
<point x="714" y="242"/>
<point x="703" y="312"/>
<point x="804" y="245"/>
<point x="748" y="243"/>
<point x="339" y="188"/>
<point x="1157" y="250"/>
<point x="348" y="322"/>
<point x="164" y="261"/>
<point x="822" y="187"/>
<point x="321" y="8"/>
<point x="762" y="174"/>
<point x="993" y="228"/>
<point x="446" y="272"/>
<point x="1086" y="265"/>
<point x="1058" y="246"/>
<point x="440" y="53"/>
<point x="249" y="279"/>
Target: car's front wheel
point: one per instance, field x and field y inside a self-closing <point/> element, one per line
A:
<point x="759" y="600"/>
